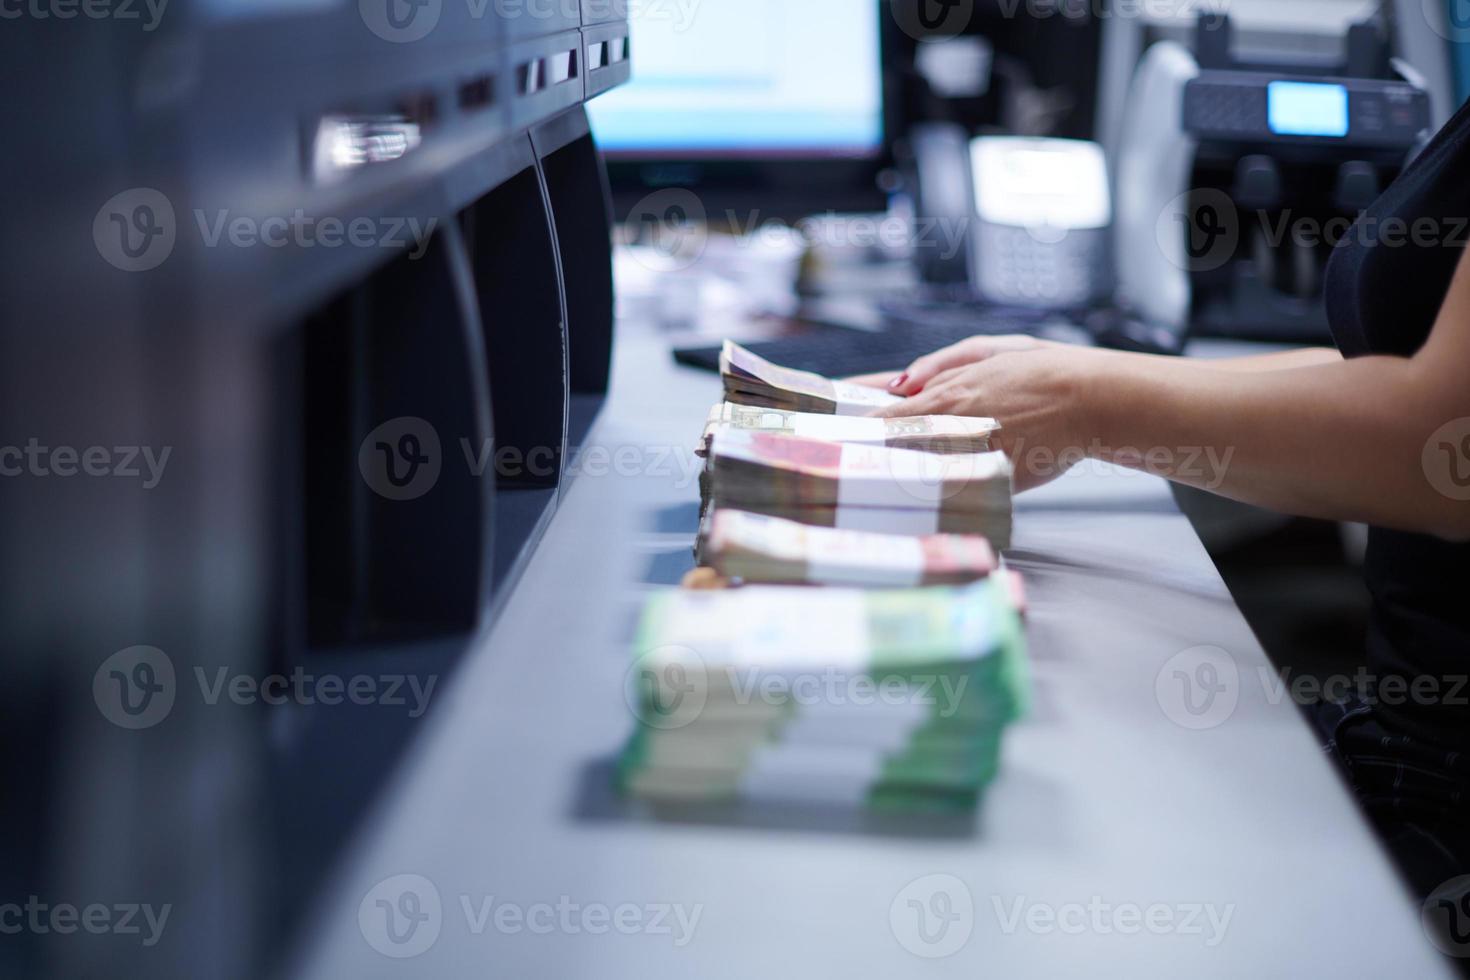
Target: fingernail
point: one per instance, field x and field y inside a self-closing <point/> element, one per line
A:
<point x="899" y="381"/>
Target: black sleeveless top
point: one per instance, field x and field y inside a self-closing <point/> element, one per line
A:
<point x="1384" y="291"/>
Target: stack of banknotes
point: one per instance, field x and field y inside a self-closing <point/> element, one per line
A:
<point x="852" y="636"/>
<point x="752" y="380"/>
<point x="946" y="434"/>
<point x="828" y="697"/>
<point x="861" y="487"/>
<point x="756" y="548"/>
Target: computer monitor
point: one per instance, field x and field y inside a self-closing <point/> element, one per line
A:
<point x="767" y="104"/>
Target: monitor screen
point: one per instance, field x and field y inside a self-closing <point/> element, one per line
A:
<point x="732" y="79"/>
<point x="1307" y="109"/>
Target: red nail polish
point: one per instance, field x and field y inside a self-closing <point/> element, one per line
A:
<point x="899" y="381"/>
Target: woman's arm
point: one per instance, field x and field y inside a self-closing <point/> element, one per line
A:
<point x="976" y="349"/>
<point x="1339" y="439"/>
<point x="1279" y="361"/>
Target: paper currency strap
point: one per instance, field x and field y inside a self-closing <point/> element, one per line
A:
<point x="866" y="476"/>
<point x="837" y="556"/>
<point x="848" y="428"/>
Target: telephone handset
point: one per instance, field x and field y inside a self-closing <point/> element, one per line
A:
<point x="1036" y="215"/>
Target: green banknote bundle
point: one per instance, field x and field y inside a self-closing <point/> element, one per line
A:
<point x="892" y="700"/>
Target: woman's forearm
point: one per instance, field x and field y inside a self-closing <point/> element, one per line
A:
<point x="1278" y="361"/>
<point x="1340" y="440"/>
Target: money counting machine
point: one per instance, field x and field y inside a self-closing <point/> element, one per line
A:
<point x="349" y="266"/>
<point x="1234" y="179"/>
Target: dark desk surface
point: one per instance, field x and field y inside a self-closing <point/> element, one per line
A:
<point x="1125" y="837"/>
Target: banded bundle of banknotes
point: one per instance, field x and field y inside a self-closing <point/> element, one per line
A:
<point x="859" y="487"/>
<point x="852" y="636"/>
<point x="945" y="434"/>
<point x="829" y="697"/>
<point x="755" y="549"/>
<point x="752" y="380"/>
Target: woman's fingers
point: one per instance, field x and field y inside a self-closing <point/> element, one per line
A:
<point x="883" y="379"/>
<point x="925" y="369"/>
<point x="931" y="401"/>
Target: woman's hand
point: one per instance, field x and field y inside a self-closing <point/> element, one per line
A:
<point x="1039" y="400"/>
<point x="926" y="368"/>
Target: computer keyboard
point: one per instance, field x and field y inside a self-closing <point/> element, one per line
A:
<point x="917" y="327"/>
<point x="839" y="352"/>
